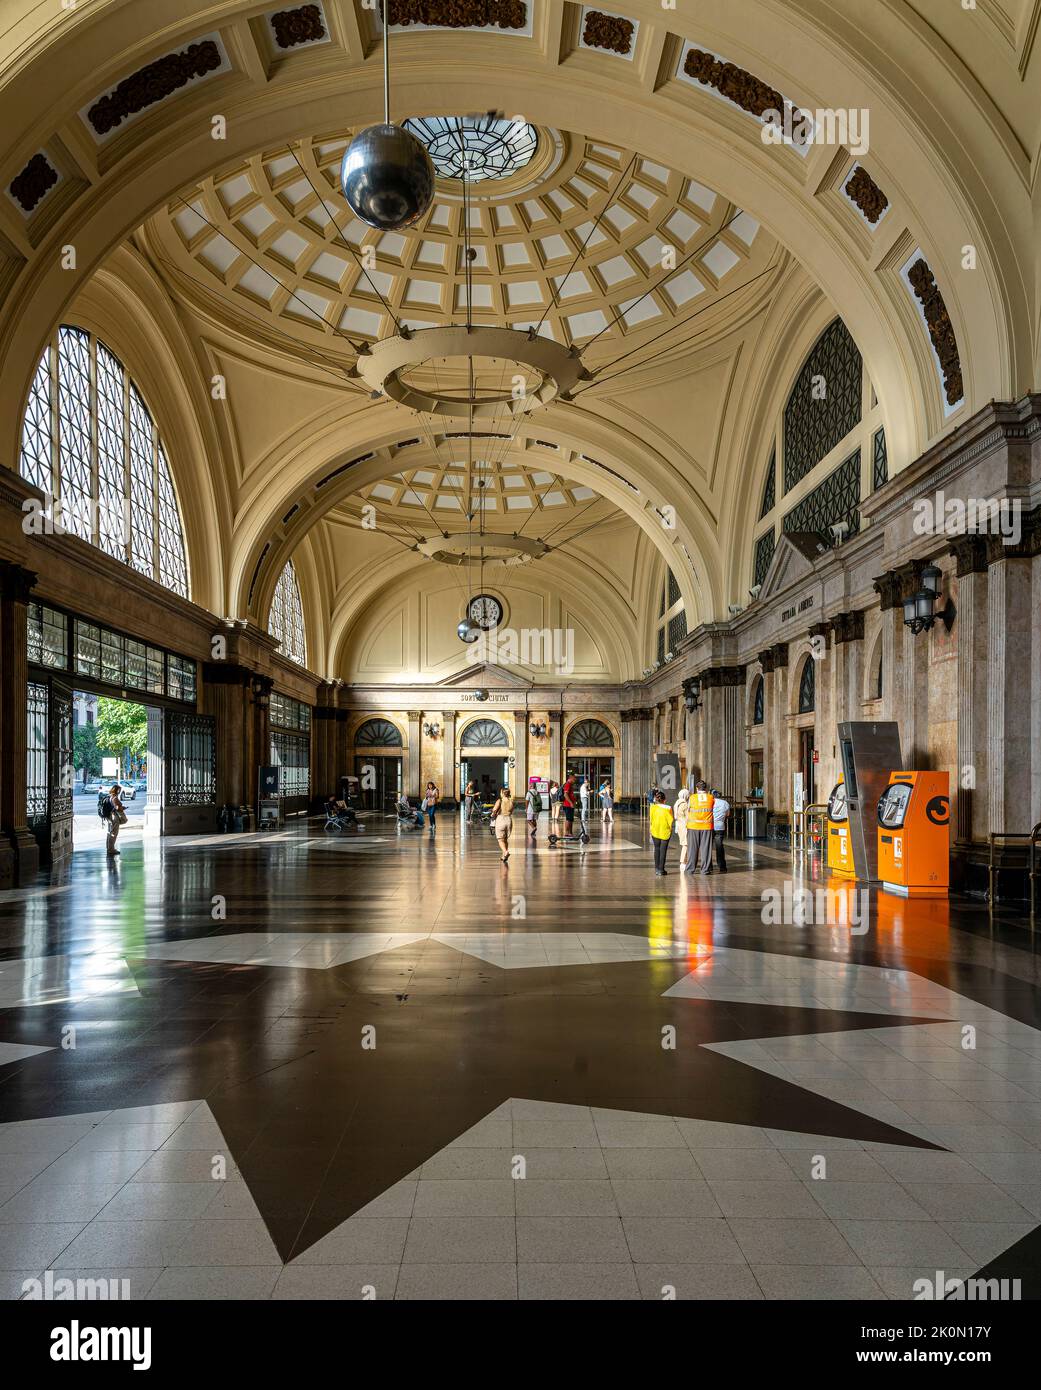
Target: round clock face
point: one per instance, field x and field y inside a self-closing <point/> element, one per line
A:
<point x="485" y="611"/>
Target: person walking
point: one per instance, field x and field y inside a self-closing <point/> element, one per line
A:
<point x="430" y="799"/>
<point x="699" y="831"/>
<point x="661" y="832"/>
<point x="568" y="800"/>
<point x="607" y="802"/>
<point x="532" y="805"/>
<point x="679" y="812"/>
<point x="554" y="805"/>
<point x="502" y="822"/>
<point x="114" y="816"/>
<point x="583" y="802"/>
<point x="720" y="811"/>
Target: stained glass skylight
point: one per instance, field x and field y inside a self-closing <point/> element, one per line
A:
<point x="482" y="147"/>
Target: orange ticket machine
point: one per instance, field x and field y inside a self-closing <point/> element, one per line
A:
<point x="840" y="846"/>
<point x="914" y="820"/>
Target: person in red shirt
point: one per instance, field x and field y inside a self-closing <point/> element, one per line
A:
<point x="569" y="798"/>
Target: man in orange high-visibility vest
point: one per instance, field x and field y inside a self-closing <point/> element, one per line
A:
<point x="699" y="830"/>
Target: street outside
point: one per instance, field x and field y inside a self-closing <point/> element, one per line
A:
<point x="89" y="829"/>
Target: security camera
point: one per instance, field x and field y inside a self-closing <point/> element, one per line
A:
<point x="840" y="530"/>
<point x="736" y="608"/>
<point x="753" y="592"/>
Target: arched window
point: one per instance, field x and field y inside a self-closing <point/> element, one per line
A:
<point x="378" y="733"/>
<point x="286" y="620"/>
<point x="484" y="733"/>
<point x="90" y="443"/>
<point x="590" y="733"/>
<point x="808" y="687"/>
<point x="757" y="701"/>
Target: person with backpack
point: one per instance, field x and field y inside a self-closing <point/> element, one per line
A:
<point x="533" y="805"/>
<point x="111" y="811"/>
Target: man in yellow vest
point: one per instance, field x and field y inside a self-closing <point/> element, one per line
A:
<point x="699" y="830"/>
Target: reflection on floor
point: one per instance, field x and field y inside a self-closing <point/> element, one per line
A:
<point x="309" y="1066"/>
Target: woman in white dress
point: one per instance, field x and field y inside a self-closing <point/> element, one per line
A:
<point x="680" y="822"/>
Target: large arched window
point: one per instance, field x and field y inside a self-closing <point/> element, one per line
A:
<point x="590" y="733"/>
<point x="286" y="620"/>
<point x="90" y="443"/>
<point x="378" y="733"/>
<point x="484" y="733"/>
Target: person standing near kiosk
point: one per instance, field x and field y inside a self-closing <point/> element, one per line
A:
<point x="700" y="824"/>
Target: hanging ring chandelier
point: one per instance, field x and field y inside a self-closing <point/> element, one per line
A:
<point x="557" y="370"/>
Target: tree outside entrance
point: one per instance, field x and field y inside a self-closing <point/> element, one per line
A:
<point x="120" y="730"/>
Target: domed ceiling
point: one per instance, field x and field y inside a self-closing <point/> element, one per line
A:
<point x="575" y="240"/>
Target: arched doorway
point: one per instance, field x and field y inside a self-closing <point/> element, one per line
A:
<point x="378" y="749"/>
<point x="590" y="752"/>
<point x="484" y="757"/>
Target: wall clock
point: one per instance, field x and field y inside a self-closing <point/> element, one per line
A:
<point x="485" y="611"/>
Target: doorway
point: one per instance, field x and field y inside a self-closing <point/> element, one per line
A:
<point x="595" y="770"/>
<point x="109" y="745"/>
<point x="488" y="775"/>
<point x="806" y="764"/>
<point x="379" y="780"/>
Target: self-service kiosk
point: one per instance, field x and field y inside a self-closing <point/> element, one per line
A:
<point x="840" y="848"/>
<point x="870" y="749"/>
<point x="914" y="817"/>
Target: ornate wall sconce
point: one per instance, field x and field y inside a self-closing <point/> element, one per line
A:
<point x="692" y="694"/>
<point x="537" y="730"/>
<point x="432" y="730"/>
<point x="920" y="609"/>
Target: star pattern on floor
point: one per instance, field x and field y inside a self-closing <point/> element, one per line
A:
<point x="328" y="1087"/>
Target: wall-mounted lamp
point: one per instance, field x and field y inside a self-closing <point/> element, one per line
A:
<point x="692" y="694"/>
<point x="537" y="730"/>
<point x="920" y="609"/>
<point x="432" y="730"/>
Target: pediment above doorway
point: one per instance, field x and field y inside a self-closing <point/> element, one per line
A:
<point x="487" y="674"/>
<point x="794" y="560"/>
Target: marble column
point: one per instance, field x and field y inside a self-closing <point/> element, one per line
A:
<point x="19" y="851"/>
<point x="969" y="789"/>
<point x="153" y="821"/>
<point x="1009" y="781"/>
<point x="637" y="753"/>
<point x="449" y="790"/>
<point x="556" y="745"/>
<point x="414" y="773"/>
<point x="520" y="752"/>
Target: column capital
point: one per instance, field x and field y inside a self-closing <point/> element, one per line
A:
<point x="848" y="627"/>
<point x="715" y="677"/>
<point x="16" y="582"/>
<point x="969" y="553"/>
<point x="774" y="658"/>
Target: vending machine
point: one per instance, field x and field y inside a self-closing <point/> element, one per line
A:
<point x="914" y="822"/>
<point x="840" y="847"/>
<point x="870" y="749"/>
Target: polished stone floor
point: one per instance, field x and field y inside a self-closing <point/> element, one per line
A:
<point x="311" y="1066"/>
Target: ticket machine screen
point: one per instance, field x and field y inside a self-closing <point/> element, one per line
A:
<point x="892" y="805"/>
<point x="837" y="810"/>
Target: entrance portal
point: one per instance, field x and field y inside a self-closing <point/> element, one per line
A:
<point x="488" y="774"/>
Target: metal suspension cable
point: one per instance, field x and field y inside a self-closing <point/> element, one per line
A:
<point x="664" y="280"/>
<point x="581" y="249"/>
<point x="600" y="380"/>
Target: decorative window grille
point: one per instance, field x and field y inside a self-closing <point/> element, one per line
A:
<point x="286" y="621"/>
<point x="808" y="687"/>
<point x="764" y="553"/>
<point x="287" y="713"/>
<point x="192" y="771"/>
<point x="484" y="733"/>
<point x="677" y="629"/>
<point x="590" y="733"/>
<point x="824" y="404"/>
<point x="837" y="498"/>
<point x="291" y="753"/>
<point x="879" y="460"/>
<point x="37" y="696"/>
<point x="770" y="486"/>
<point x="89" y="441"/>
<point x="378" y="733"/>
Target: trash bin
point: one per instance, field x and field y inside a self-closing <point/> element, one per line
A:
<point x="755" y="822"/>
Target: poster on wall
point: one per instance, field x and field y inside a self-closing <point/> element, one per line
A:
<point x="798" y="793"/>
<point x="667" y="775"/>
